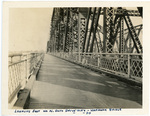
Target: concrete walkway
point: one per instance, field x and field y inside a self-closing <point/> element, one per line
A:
<point x="63" y="85"/>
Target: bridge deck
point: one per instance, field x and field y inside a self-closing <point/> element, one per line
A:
<point x="61" y="84"/>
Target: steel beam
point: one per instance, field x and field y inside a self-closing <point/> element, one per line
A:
<point x="100" y="42"/>
<point x="90" y="32"/>
<point x="66" y="41"/>
<point x="77" y="30"/>
<point x="140" y="9"/>
<point x="82" y="18"/>
<point x="108" y="26"/>
<point x="122" y="43"/>
<point x="86" y="29"/>
<point x="133" y="34"/>
<point x="95" y="29"/>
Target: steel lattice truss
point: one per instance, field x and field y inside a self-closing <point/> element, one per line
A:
<point x="105" y="38"/>
<point x="79" y="30"/>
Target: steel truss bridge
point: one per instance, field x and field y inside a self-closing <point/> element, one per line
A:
<point x="103" y="39"/>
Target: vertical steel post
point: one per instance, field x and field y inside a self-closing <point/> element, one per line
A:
<point x="66" y="32"/>
<point x="104" y="29"/>
<point x="129" y="65"/>
<point x="81" y="29"/>
<point x="122" y="43"/>
<point x="75" y="30"/>
<point x="108" y="29"/>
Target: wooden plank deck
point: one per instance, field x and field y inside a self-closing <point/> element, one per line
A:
<point x="62" y="85"/>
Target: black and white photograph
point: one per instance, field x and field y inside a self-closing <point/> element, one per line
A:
<point x="71" y="59"/>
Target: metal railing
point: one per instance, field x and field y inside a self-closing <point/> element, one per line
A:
<point x="20" y="71"/>
<point x="128" y="65"/>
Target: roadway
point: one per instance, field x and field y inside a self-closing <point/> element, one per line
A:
<point x="63" y="85"/>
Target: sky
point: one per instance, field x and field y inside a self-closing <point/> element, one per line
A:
<point x="29" y="28"/>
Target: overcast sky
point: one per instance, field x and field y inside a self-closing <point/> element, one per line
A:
<point x="29" y="28"/>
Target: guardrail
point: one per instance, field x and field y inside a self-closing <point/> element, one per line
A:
<point x="20" y="71"/>
<point x="128" y="65"/>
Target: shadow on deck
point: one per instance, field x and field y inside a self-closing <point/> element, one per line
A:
<point x="62" y="85"/>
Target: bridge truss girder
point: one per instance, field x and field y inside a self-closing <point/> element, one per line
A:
<point x="79" y="30"/>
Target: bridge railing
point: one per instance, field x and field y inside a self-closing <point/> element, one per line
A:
<point x="20" y="71"/>
<point x="128" y="65"/>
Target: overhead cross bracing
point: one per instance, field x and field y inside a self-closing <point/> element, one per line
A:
<point x="73" y="23"/>
<point x="106" y="37"/>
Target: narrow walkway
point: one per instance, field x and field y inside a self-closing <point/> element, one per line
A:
<point x="63" y="85"/>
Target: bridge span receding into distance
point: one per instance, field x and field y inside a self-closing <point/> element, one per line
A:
<point x="94" y="59"/>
